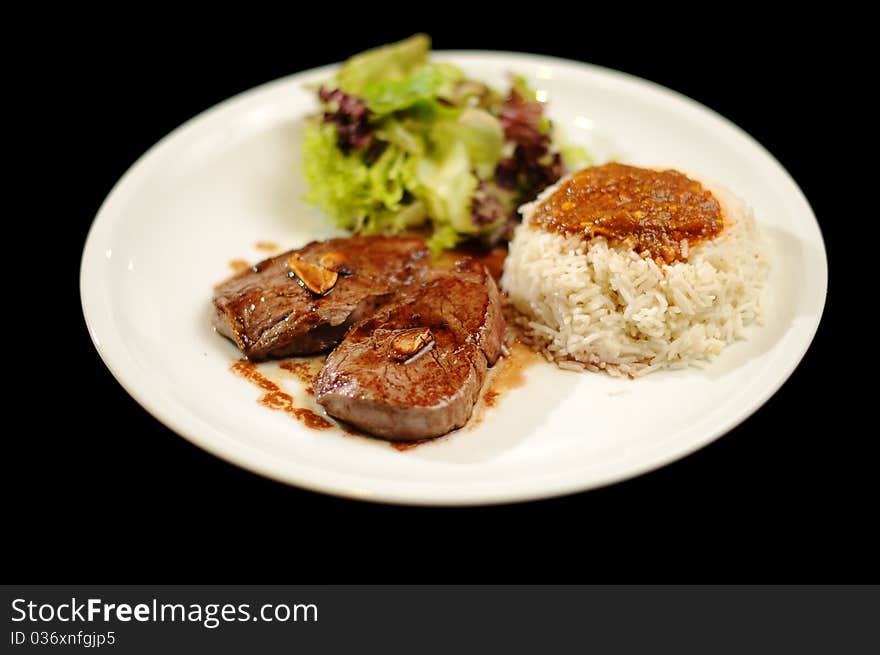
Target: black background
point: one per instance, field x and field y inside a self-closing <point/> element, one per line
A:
<point x="98" y="489"/>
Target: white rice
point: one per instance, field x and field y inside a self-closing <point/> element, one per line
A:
<point x="593" y="306"/>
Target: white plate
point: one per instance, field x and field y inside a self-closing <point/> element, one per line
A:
<point x="230" y="177"/>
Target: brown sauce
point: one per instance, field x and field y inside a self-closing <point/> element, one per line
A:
<point x="268" y="246"/>
<point x="508" y="373"/>
<point x="651" y="211"/>
<point x="305" y="370"/>
<point x="275" y="398"/>
<point x="312" y="419"/>
<point x="491" y="397"/>
<point x="238" y="265"/>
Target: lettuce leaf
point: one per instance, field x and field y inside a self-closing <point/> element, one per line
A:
<point x="446" y="185"/>
<point x="481" y="134"/>
<point x="388" y="96"/>
<point x="387" y="63"/>
<point x="337" y="183"/>
<point x="406" y="137"/>
<point x="360" y="197"/>
<point x="443" y="238"/>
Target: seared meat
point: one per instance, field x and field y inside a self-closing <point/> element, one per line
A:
<point x="268" y="311"/>
<point x="415" y="368"/>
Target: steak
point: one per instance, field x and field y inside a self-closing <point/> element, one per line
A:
<point x="269" y="312"/>
<point x="414" y="369"/>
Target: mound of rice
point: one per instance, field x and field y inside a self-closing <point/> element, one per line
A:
<point x="601" y="307"/>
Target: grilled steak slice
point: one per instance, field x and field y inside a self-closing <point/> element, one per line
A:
<point x="267" y="312"/>
<point x="415" y="368"/>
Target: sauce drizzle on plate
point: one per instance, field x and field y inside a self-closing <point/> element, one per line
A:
<point x="238" y="265"/>
<point x="275" y="398"/>
<point x="304" y="370"/>
<point x="508" y="373"/>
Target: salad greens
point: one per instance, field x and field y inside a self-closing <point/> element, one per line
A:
<point x="403" y="142"/>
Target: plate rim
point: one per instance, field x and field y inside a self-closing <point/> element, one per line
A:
<point x="334" y="482"/>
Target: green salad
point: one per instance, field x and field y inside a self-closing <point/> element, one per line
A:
<point x="403" y="142"/>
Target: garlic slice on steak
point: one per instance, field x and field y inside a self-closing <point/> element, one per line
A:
<point x="410" y="342"/>
<point x="317" y="279"/>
